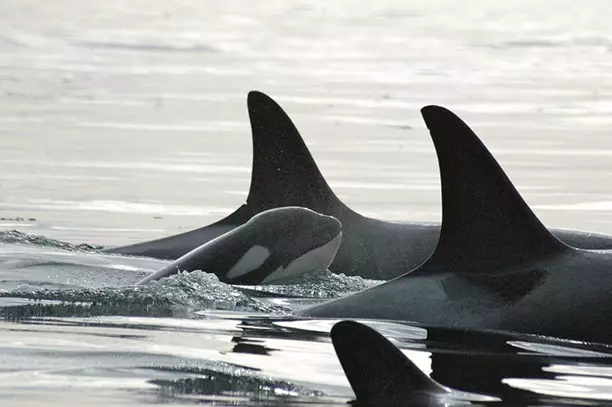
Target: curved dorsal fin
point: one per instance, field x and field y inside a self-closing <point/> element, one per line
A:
<point x="485" y="222"/>
<point x="375" y="367"/>
<point x="284" y="172"/>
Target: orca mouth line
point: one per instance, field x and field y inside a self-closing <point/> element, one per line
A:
<point x="318" y="259"/>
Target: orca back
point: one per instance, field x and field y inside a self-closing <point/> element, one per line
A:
<point x="377" y="369"/>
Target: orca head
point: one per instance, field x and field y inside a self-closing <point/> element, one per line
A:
<point x="284" y="243"/>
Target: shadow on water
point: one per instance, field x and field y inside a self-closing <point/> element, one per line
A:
<point x="193" y="339"/>
<point x="518" y="369"/>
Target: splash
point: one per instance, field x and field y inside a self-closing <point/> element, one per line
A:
<point x="14" y="236"/>
<point x="318" y="285"/>
<point x="177" y="296"/>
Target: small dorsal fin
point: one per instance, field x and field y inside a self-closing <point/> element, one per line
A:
<point x="284" y="172"/>
<point x="485" y="222"/>
<point x="376" y="368"/>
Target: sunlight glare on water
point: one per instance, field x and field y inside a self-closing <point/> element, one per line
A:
<point x="111" y="114"/>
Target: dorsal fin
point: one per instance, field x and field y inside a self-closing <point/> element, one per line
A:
<point x="486" y="224"/>
<point x="375" y="367"/>
<point x="284" y="172"/>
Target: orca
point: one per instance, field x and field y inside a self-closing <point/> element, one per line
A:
<point x="284" y="173"/>
<point x="273" y="246"/>
<point x="380" y="374"/>
<point x="495" y="265"/>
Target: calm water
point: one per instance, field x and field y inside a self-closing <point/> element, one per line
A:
<point x="76" y="331"/>
<point x="124" y="121"/>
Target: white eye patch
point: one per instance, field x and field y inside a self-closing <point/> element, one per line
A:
<point x="251" y="260"/>
<point x="315" y="260"/>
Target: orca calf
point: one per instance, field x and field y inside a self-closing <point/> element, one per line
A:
<point x="274" y="245"/>
<point x="285" y="174"/>
<point x="495" y="265"/>
<point x="381" y="375"/>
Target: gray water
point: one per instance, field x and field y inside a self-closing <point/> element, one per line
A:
<point x="125" y="121"/>
<point x="122" y="122"/>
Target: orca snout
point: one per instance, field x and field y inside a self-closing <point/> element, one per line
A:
<point x="331" y="226"/>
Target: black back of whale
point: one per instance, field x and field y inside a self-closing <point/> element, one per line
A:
<point x="495" y="265"/>
<point x="379" y="373"/>
<point x="284" y="173"/>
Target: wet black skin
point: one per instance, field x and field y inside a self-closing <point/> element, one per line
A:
<point x="495" y="266"/>
<point x="284" y="173"/>
<point x="380" y="374"/>
<point x="286" y="233"/>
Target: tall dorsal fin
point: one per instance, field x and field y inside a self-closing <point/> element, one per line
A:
<point x="375" y="367"/>
<point x="284" y="172"/>
<point x="486" y="224"/>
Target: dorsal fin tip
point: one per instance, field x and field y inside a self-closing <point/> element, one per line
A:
<point x="485" y="221"/>
<point x="256" y="96"/>
<point x="438" y="118"/>
<point x="284" y="172"/>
